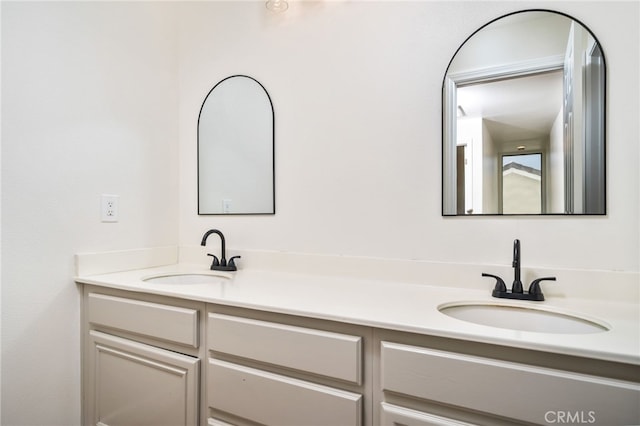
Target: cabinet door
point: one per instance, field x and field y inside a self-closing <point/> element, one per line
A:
<point x="131" y="383"/>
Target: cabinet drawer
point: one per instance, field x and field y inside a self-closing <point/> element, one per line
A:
<point x="165" y="322"/>
<point x="393" y="415"/>
<point x="518" y="391"/>
<point x="329" y="354"/>
<point x="272" y="399"/>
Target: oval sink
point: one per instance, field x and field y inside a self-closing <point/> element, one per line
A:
<point x="522" y="318"/>
<point x="192" y="278"/>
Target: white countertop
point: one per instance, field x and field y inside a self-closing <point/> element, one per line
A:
<point x="395" y="305"/>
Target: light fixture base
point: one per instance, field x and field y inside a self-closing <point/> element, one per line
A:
<point x="277" y="5"/>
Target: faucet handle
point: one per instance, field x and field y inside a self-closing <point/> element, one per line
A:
<point x="215" y="262"/>
<point x="500" y="287"/>
<point x="232" y="263"/>
<point x="534" y="288"/>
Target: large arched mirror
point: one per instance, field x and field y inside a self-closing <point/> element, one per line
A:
<point x="235" y="149"/>
<point x="524" y="119"/>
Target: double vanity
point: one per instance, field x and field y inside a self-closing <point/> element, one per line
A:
<point x="283" y="341"/>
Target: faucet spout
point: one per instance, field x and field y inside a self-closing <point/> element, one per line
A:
<point x="223" y="259"/>
<point x="222" y="264"/>
<point x="517" y="283"/>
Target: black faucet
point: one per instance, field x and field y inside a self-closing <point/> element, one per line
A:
<point x="500" y="289"/>
<point x="220" y="265"/>
<point x="516" y="287"/>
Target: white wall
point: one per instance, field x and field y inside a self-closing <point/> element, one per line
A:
<point x="491" y="171"/>
<point x="357" y="96"/>
<point x="513" y="40"/>
<point x="470" y="132"/>
<point x="555" y="166"/>
<point x="89" y="106"/>
<point x="357" y="91"/>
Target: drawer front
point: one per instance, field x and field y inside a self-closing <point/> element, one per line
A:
<point x="164" y="322"/>
<point x="393" y="415"/>
<point x="272" y="399"/>
<point x="216" y="422"/>
<point x="334" y="355"/>
<point x="534" y="394"/>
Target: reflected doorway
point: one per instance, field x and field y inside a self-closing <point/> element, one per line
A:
<point x="464" y="178"/>
<point x="521" y="182"/>
<point x="460" y="179"/>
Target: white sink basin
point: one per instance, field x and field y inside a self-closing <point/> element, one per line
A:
<point x="522" y="318"/>
<point x="190" y="278"/>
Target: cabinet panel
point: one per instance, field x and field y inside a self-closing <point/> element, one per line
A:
<point x="216" y="422"/>
<point x="320" y="352"/>
<point x="273" y="399"/>
<point x="138" y="384"/>
<point x="393" y="415"/>
<point x="518" y="391"/>
<point x="166" y="322"/>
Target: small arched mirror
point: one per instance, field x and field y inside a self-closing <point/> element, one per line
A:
<point x="524" y="119"/>
<point x="235" y="149"/>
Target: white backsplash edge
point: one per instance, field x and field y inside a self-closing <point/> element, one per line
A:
<point x="570" y="283"/>
<point x="124" y="260"/>
<point x="598" y="285"/>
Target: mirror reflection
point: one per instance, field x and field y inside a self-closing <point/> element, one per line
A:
<point x="235" y="149"/>
<point x="521" y="183"/>
<point x="523" y="119"/>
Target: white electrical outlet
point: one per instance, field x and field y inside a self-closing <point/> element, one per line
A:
<point x="109" y="208"/>
<point x="226" y="205"/>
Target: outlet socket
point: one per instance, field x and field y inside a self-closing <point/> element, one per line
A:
<point x="109" y="208"/>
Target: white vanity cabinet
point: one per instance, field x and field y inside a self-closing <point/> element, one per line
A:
<point x="141" y="359"/>
<point x="420" y="385"/>
<point x="285" y="370"/>
<point x="156" y="360"/>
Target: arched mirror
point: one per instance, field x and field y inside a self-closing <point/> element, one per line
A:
<point x="235" y="149"/>
<point x="524" y="119"/>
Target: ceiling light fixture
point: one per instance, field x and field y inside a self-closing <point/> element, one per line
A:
<point x="521" y="148"/>
<point x="277" y="5"/>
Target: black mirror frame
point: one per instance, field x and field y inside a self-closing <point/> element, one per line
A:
<point x="273" y="139"/>
<point x="604" y="122"/>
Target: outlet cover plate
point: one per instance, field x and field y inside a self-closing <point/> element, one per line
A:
<point x="109" y="208"/>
